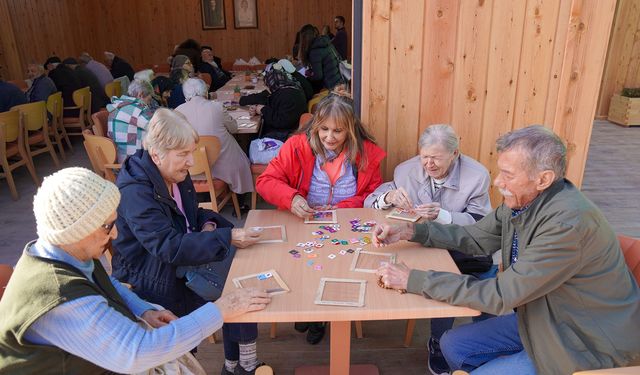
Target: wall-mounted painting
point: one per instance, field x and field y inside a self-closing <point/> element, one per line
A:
<point x="213" y="14"/>
<point x="245" y="14"/>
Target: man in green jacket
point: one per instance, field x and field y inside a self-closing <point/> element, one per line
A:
<point x="577" y="305"/>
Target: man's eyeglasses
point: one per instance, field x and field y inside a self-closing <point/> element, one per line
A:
<point x="108" y="227"/>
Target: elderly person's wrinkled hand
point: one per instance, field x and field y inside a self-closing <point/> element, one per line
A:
<point x="428" y="211"/>
<point x="395" y="276"/>
<point x="241" y="301"/>
<point x="399" y="198"/>
<point x="242" y="238"/>
<point x="386" y="234"/>
<point x="158" y="318"/>
<point x="300" y="207"/>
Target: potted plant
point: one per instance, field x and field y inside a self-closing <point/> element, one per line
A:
<point x="625" y="108"/>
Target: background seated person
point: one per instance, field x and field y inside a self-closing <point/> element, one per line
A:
<point x="162" y="228"/>
<point x="62" y="313"/>
<point x="10" y="95"/>
<point x="210" y="118"/>
<point x="210" y="65"/>
<point x="129" y="116"/>
<point x="333" y="162"/>
<point x="99" y="98"/>
<point x="442" y="185"/>
<point x="280" y="106"/>
<point x="181" y="70"/>
<point x="560" y="259"/>
<point x="66" y="81"/>
<point x="41" y="85"/>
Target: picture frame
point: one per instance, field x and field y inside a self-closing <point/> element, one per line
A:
<point x="273" y="234"/>
<point x="369" y="261"/>
<point x="269" y="280"/>
<point x="245" y="14"/>
<point x="341" y="292"/>
<point x="323" y="217"/>
<point x="213" y="15"/>
<point x="400" y="214"/>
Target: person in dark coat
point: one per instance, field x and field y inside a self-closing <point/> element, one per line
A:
<point x="281" y="106"/>
<point x="318" y="54"/>
<point x="161" y="229"/>
<point x="99" y="97"/>
<point x="66" y="80"/>
<point x="211" y="64"/>
<point x="191" y="49"/>
<point x="41" y="85"/>
<point x="10" y="95"/>
<point x="341" y="39"/>
<point x="118" y="66"/>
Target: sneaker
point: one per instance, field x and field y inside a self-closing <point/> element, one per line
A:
<point x="301" y="326"/>
<point x="316" y="333"/>
<point x="437" y="364"/>
<point x="261" y="369"/>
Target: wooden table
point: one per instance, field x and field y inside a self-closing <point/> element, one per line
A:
<point x="247" y="124"/>
<point x="303" y="280"/>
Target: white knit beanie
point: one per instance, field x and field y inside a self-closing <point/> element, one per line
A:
<point x="71" y="204"/>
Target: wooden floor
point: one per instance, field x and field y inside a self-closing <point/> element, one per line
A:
<point x="612" y="178"/>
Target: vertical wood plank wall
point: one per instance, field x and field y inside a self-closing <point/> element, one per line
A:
<point x="145" y="31"/>
<point x="622" y="68"/>
<point x="486" y="67"/>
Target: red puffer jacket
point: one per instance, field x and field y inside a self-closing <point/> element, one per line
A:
<point x="290" y="172"/>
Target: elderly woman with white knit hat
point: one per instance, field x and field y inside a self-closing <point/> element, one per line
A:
<point x="62" y="313"/>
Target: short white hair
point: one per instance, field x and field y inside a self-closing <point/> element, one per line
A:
<point x="439" y="134"/>
<point x="140" y="88"/>
<point x="144" y="75"/>
<point x="194" y="87"/>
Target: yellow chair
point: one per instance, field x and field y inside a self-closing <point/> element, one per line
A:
<point x="205" y="156"/>
<point x="82" y="101"/>
<point x="311" y="106"/>
<point x="36" y="130"/>
<point x="112" y="89"/>
<point x="12" y="147"/>
<point x="102" y="154"/>
<point x="54" y="106"/>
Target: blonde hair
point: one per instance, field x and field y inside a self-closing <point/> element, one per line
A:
<point x="338" y="106"/>
<point x="168" y="130"/>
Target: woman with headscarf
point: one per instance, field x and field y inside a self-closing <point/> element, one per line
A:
<point x="281" y="106"/>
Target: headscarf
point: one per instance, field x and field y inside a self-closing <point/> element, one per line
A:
<point x="277" y="78"/>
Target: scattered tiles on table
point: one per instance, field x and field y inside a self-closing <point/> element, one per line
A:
<point x="331" y="256"/>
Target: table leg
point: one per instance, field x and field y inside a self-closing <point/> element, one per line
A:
<point x="340" y="348"/>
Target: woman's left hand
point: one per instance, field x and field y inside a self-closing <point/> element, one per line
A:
<point x="157" y="319"/>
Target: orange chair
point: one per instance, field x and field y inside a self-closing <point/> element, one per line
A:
<point x="100" y="123"/>
<point x="54" y="106"/>
<point x="20" y="83"/>
<point x="102" y="154"/>
<point x="205" y="156"/>
<point x="12" y="146"/>
<point x="206" y="77"/>
<point x="82" y="101"/>
<point x="5" y="274"/>
<point x="36" y="130"/>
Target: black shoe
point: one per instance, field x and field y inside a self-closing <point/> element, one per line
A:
<point x="261" y="369"/>
<point x="225" y="371"/>
<point x="301" y="326"/>
<point x="316" y="333"/>
<point x="437" y="364"/>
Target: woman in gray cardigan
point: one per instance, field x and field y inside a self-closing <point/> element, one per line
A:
<point x="441" y="185"/>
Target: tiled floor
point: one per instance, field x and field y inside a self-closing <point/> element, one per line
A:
<point x="611" y="181"/>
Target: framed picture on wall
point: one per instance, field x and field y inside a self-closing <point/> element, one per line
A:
<point x="245" y="14"/>
<point x="213" y="14"/>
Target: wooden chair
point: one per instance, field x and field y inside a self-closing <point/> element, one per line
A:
<point x="206" y="77"/>
<point x="12" y="147"/>
<point x="205" y="157"/>
<point x="100" y="123"/>
<point x="102" y="154"/>
<point x="54" y="106"/>
<point x="82" y="101"/>
<point x="311" y="106"/>
<point x="36" y="130"/>
<point x="112" y="89"/>
<point x="5" y="274"/>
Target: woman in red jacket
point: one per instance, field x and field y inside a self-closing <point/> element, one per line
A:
<point x="332" y="163"/>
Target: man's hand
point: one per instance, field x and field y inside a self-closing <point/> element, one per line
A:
<point x="395" y="276"/>
<point x="241" y="301"/>
<point x="386" y="234"/>
<point x="399" y="198"/>
<point x="242" y="238"/>
<point x="157" y="319"/>
<point x="300" y="207"/>
<point x="428" y="211"/>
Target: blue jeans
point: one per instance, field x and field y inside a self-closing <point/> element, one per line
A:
<point x="237" y="333"/>
<point x="441" y="325"/>
<point x="492" y="346"/>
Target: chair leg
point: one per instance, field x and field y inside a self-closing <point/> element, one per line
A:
<point x="52" y="152"/>
<point x="236" y="205"/>
<point x="58" y="143"/>
<point x="10" y="181"/>
<point x="408" y="335"/>
<point x="254" y="200"/>
<point x="358" y="324"/>
<point x="32" y="170"/>
<point x="63" y="131"/>
<point x="212" y="338"/>
<point x="272" y="331"/>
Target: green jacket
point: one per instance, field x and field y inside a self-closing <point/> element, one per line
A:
<point x="578" y="303"/>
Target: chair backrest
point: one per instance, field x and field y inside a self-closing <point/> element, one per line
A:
<point x="206" y="77"/>
<point x="100" y="123"/>
<point x="631" y="249"/>
<point x="212" y="148"/>
<point x="102" y="153"/>
<point x="82" y="98"/>
<point x="34" y="115"/>
<point x="10" y="123"/>
<point x="5" y="274"/>
<point x="304" y="119"/>
<point x="54" y="106"/>
<point x="113" y="88"/>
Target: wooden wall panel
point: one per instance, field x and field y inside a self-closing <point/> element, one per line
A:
<point x="621" y="69"/>
<point x="146" y="31"/>
<point x="514" y="63"/>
